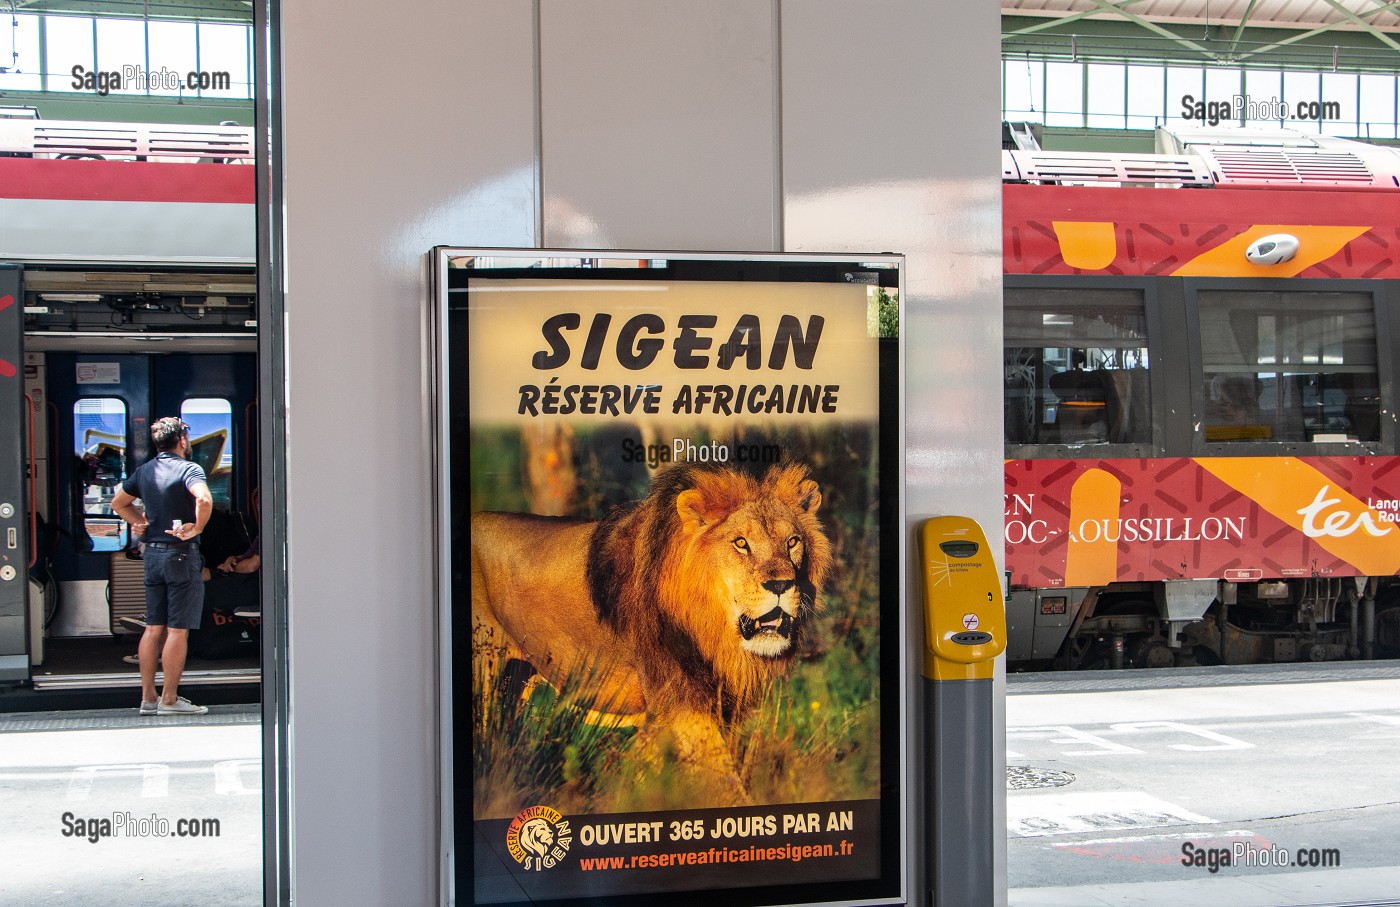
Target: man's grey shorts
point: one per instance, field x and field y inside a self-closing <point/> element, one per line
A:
<point x="174" y="587"/>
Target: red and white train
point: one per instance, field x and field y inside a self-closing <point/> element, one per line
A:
<point x="127" y="293"/>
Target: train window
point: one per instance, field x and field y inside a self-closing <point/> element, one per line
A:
<point x="211" y="443"/>
<point x="99" y="445"/>
<point x="1289" y="366"/>
<point x="1076" y="366"/>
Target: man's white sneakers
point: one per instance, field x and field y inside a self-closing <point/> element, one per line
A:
<point x="182" y="706"/>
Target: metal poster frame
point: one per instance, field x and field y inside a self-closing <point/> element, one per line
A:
<point x="780" y="848"/>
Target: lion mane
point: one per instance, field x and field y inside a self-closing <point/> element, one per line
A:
<point x="657" y="576"/>
<point x="679" y="606"/>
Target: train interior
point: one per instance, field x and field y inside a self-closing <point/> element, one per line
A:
<point x="106" y="351"/>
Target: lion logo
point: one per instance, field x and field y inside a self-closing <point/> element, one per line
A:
<point x="538" y="838"/>
<point x="695" y="596"/>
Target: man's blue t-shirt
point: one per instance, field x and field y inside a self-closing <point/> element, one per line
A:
<point x="164" y="486"/>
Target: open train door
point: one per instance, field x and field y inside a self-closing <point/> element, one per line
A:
<point x="15" y="515"/>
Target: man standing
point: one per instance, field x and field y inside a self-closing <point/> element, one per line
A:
<point x="178" y="504"/>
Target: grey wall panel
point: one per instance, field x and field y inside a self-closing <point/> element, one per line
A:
<point x="405" y="127"/>
<point x="658" y="124"/>
<point x="889" y="125"/>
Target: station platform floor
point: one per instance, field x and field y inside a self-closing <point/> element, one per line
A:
<point x="1320" y="888"/>
<point x="1120" y="782"/>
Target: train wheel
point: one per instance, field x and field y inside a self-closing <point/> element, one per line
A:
<point x="1153" y="653"/>
<point x="1073" y="653"/>
<point x="1388" y="632"/>
<point x="1115" y="637"/>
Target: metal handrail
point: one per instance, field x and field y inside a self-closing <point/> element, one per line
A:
<point x="248" y="442"/>
<point x="53" y="456"/>
<point x="33" y="489"/>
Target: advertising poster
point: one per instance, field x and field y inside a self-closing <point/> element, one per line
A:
<point x="672" y="577"/>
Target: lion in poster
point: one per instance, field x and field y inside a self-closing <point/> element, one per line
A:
<point x="678" y="607"/>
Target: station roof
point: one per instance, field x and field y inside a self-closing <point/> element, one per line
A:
<point x="198" y="10"/>
<point x="1316" y="35"/>
<point x="1342" y="15"/>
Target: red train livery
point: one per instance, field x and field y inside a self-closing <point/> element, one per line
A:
<point x="1200" y="399"/>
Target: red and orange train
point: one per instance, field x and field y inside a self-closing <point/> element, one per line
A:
<point x="1200" y="353"/>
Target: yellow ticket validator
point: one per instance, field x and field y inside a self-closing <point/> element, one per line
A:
<point x="964" y="611"/>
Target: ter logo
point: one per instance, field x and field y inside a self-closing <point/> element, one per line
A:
<point x="539" y="838"/>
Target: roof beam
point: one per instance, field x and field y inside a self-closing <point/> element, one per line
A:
<point x="1375" y="32"/>
<point x="1154" y="27"/>
<point x="195" y="10"/>
<point x="1065" y="20"/>
<point x="1303" y="36"/>
<point x="1244" y="20"/>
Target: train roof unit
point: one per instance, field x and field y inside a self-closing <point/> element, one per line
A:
<point x="1335" y="200"/>
<point x="1219" y="156"/>
<point x="124" y="193"/>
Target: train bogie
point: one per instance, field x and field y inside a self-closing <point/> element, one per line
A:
<point x="1132" y="625"/>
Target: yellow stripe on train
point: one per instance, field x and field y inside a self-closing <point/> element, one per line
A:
<point x="1096" y="495"/>
<point x="1315" y="244"/>
<point x="1090" y="245"/>
<point x="1310" y="502"/>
